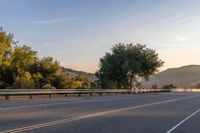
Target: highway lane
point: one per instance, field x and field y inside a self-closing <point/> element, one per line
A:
<point x="191" y="125"/>
<point x="124" y="113"/>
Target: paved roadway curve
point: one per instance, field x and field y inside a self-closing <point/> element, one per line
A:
<point x="144" y="113"/>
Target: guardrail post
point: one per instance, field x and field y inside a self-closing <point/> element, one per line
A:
<point x="7" y="97"/>
<point x="30" y="96"/>
<point x="49" y="95"/>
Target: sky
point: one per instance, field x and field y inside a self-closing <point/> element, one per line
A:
<point x="79" y="32"/>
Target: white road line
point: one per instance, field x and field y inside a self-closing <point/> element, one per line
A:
<point x="42" y="104"/>
<point x="57" y="103"/>
<point x="180" y="123"/>
<point x="65" y="102"/>
<point x="52" y="123"/>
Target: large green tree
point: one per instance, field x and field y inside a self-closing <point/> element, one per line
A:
<point x="5" y="52"/>
<point x="5" y="45"/>
<point x="22" y="59"/>
<point x="49" y="69"/>
<point x="126" y="64"/>
<point x="20" y="67"/>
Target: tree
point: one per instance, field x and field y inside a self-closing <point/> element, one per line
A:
<point x="62" y="81"/>
<point x="22" y="58"/>
<point x="75" y="84"/>
<point x="5" y="45"/>
<point x="37" y="77"/>
<point x="49" y="69"/>
<point x="20" y="67"/>
<point x="6" y="77"/>
<point x="85" y="81"/>
<point x="126" y="64"/>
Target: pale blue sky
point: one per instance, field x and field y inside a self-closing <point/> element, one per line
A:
<point x="79" y="32"/>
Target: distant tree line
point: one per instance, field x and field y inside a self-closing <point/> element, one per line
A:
<point x="20" y="67"/>
<point x="168" y="86"/>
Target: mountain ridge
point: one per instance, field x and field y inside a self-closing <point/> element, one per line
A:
<point x="184" y="77"/>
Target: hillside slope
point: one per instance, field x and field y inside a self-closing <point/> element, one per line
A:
<point x="186" y="76"/>
<point x="74" y="73"/>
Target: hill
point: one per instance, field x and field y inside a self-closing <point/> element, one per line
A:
<point x="74" y="73"/>
<point x="186" y="76"/>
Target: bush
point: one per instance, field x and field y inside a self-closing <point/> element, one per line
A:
<point x="62" y="82"/>
<point x="24" y="81"/>
<point x="170" y="86"/>
<point x="154" y="86"/>
<point x="48" y="86"/>
<point x="75" y="85"/>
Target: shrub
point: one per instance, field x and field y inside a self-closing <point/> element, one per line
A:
<point x="154" y="86"/>
<point x="75" y="85"/>
<point x="24" y="81"/>
<point x="48" y="86"/>
<point x="170" y="86"/>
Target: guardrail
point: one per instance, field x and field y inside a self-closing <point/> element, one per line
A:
<point x="185" y="90"/>
<point x="32" y="92"/>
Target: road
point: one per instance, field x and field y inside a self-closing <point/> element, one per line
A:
<point x="143" y="113"/>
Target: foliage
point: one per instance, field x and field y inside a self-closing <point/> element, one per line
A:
<point x="5" y="45"/>
<point x="62" y="81"/>
<point x="75" y="84"/>
<point x="48" y="86"/>
<point x="37" y="77"/>
<point x="49" y="70"/>
<point x="85" y="82"/>
<point x="22" y="58"/>
<point x="126" y="64"/>
<point x="20" y="67"/>
<point x="154" y="86"/>
<point x="169" y="86"/>
<point x="24" y="81"/>
<point x="5" y="51"/>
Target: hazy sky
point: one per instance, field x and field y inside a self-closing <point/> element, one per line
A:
<point x="79" y="32"/>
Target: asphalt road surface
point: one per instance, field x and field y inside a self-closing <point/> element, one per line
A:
<point x="143" y="113"/>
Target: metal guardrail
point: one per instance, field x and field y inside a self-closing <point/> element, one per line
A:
<point x="186" y="90"/>
<point x="31" y="92"/>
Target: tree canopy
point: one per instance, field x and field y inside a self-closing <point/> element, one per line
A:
<point x="5" y="44"/>
<point x="126" y="64"/>
<point x="20" y="67"/>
